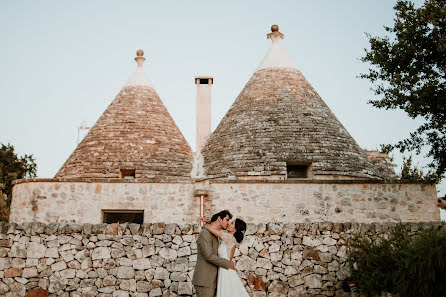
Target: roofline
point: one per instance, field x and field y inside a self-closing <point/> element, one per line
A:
<point x="101" y="180"/>
<point x="217" y="181"/>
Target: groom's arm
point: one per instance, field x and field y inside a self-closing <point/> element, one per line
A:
<point x="205" y="242"/>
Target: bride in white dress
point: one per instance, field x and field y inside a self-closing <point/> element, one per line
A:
<point x="228" y="281"/>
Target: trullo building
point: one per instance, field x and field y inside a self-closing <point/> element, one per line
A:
<point x="278" y="155"/>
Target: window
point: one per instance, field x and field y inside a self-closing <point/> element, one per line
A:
<point x="123" y="216"/>
<point x="127" y="173"/>
<point x="297" y="170"/>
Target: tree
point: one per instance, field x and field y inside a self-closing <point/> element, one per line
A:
<point x="409" y="73"/>
<point x="12" y="167"/>
<point x="408" y="171"/>
<point x="411" y="173"/>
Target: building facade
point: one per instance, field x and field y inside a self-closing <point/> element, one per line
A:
<point x="278" y="155"/>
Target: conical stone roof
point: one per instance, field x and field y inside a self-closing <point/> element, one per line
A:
<point x="278" y="118"/>
<point x="136" y="132"/>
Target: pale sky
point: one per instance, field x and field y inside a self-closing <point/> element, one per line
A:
<point x="62" y="63"/>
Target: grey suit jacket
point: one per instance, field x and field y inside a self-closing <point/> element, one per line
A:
<point x="208" y="261"/>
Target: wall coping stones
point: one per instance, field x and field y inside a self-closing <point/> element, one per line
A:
<point x="149" y="229"/>
<point x="218" y="181"/>
<point x="101" y="180"/>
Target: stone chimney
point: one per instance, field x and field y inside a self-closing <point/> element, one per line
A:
<point x="204" y="85"/>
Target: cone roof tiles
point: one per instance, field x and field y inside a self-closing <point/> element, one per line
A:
<point x="278" y="118"/>
<point x="136" y="132"/>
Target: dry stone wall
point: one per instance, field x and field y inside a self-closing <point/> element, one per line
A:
<point x="82" y="201"/>
<point x="70" y="260"/>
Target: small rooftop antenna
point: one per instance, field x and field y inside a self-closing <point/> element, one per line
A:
<point x="83" y="126"/>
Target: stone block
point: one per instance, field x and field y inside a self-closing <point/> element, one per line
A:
<point x="313" y="281"/>
<point x="143" y="286"/>
<point x="52" y="253"/>
<point x="18" y="250"/>
<point x="125" y="272"/>
<point x="168" y="254"/>
<point x="30" y="272"/>
<point x="67" y="273"/>
<point x="59" y="266"/>
<point x="120" y="293"/>
<point x="329" y="241"/>
<point x="141" y="264"/>
<point x="161" y="273"/>
<point x="13" y="272"/>
<point x="325" y="257"/>
<point x="184" y="288"/>
<point x="128" y="285"/>
<point x="5" y="243"/>
<point x="278" y="287"/>
<point x="184" y="251"/>
<point x="35" y="250"/>
<point x="178" y="276"/>
<point x="4" y="263"/>
<point x="246" y="263"/>
<point x="107" y="290"/>
<point x="264" y="263"/>
<point x="170" y="229"/>
<point x="101" y="253"/>
<point x="156" y="292"/>
<point x="37" y="292"/>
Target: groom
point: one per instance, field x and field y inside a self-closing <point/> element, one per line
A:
<point x="205" y="274"/>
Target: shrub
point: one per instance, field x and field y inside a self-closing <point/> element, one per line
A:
<point x="401" y="264"/>
<point x="372" y="262"/>
<point x="422" y="266"/>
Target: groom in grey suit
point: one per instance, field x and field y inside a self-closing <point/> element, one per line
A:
<point x="208" y="261"/>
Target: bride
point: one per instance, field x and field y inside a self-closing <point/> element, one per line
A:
<point x="228" y="282"/>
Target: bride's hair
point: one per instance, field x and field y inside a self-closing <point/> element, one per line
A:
<point x="240" y="228"/>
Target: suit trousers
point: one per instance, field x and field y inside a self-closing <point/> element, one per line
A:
<point x="205" y="291"/>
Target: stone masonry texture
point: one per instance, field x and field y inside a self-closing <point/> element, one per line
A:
<point x="74" y="260"/>
<point x="83" y="200"/>
<point x="382" y="163"/>
<point x="136" y="132"/>
<point x="278" y="118"/>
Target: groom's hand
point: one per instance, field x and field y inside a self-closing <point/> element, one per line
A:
<point x="232" y="266"/>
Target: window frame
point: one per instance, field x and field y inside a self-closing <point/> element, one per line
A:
<point x="309" y="170"/>
<point x="127" y="173"/>
<point x="121" y="211"/>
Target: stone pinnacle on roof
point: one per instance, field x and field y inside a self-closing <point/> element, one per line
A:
<point x="139" y="78"/>
<point x="276" y="57"/>
<point x="275" y="34"/>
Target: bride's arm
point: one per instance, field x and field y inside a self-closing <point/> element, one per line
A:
<point x="232" y="253"/>
<point x="217" y="233"/>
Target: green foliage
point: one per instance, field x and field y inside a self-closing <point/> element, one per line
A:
<point x="401" y="264"/>
<point x="411" y="173"/>
<point x="372" y="262"/>
<point x="409" y="73"/>
<point x="12" y="167"/>
<point x="422" y="266"/>
<point x="408" y="172"/>
<point x="385" y="148"/>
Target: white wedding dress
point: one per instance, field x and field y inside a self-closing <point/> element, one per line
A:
<point x="228" y="282"/>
